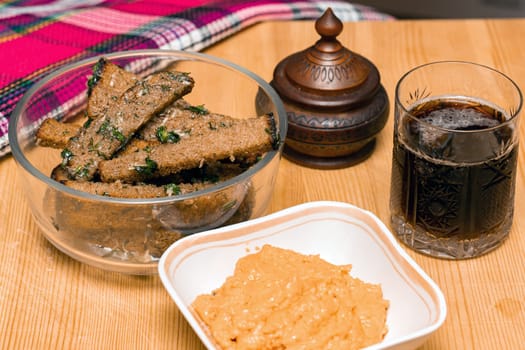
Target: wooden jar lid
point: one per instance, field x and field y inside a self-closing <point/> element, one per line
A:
<point x="334" y="100"/>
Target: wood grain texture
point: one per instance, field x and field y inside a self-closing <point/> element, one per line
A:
<point x="49" y="301"/>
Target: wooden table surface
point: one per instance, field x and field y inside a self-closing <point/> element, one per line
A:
<point x="50" y="301"/>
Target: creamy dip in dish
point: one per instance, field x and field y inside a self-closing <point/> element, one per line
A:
<point x="280" y="299"/>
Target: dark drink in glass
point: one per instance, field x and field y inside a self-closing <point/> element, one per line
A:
<point x="453" y="174"/>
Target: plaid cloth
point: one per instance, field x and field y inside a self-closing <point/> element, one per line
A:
<point x="38" y="36"/>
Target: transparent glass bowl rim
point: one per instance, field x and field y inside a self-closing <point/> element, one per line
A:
<point x="175" y="54"/>
<point x="513" y="116"/>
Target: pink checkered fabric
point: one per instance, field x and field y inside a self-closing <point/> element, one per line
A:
<point x="38" y="36"/>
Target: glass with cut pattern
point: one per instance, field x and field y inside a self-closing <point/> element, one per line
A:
<point x="454" y="159"/>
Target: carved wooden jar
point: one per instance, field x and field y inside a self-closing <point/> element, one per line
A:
<point x="335" y="102"/>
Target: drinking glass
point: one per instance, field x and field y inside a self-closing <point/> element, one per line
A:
<point x="454" y="158"/>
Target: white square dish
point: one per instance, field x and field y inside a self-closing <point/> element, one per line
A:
<point x="339" y="233"/>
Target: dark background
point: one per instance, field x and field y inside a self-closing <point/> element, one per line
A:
<point x="449" y="8"/>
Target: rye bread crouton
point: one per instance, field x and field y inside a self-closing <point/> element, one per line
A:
<point x="239" y="139"/>
<point x="107" y="83"/>
<point x="118" y="189"/>
<point x="104" y="136"/>
<point x="190" y="181"/>
<point x="182" y="120"/>
<point x="136" y="230"/>
<point x="111" y="230"/>
<point x="55" y="134"/>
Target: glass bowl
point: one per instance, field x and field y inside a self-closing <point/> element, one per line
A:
<point x="129" y="235"/>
